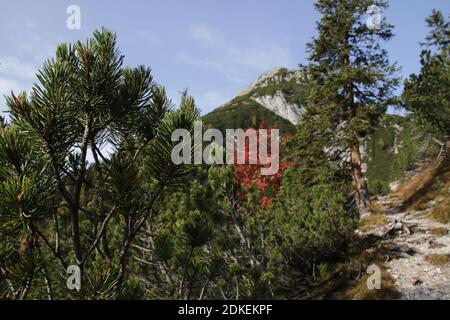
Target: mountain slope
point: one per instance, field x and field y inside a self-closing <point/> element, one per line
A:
<point x="276" y="97"/>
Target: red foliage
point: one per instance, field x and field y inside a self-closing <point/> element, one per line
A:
<point x="248" y="174"/>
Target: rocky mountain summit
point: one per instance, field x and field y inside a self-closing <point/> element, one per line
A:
<point x="276" y="101"/>
<point x="278" y="91"/>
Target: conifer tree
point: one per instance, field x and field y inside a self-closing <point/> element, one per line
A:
<point x="351" y="85"/>
<point x="57" y="209"/>
<point x="427" y="94"/>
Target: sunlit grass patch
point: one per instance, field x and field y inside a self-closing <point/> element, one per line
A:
<point x="441" y="213"/>
<point x="374" y="221"/>
<point x="439" y="231"/>
<point x="359" y="290"/>
<point x="438" y="260"/>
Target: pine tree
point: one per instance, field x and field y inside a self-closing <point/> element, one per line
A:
<point x="57" y="208"/>
<point x="351" y="85"/>
<point x="427" y="94"/>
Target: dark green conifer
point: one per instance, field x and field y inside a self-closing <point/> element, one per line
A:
<point x="351" y="85"/>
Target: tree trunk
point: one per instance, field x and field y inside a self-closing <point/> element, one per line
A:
<point x="359" y="183"/>
<point x="445" y="153"/>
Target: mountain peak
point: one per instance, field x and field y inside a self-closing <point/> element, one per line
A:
<point x="261" y="80"/>
<point x="275" y="89"/>
<point x="277" y="96"/>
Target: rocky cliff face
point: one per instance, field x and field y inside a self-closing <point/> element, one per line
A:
<point x="268" y="91"/>
<point x="279" y="105"/>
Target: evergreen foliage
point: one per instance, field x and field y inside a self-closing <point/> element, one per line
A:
<point x="427" y="94"/>
<point x="138" y="226"/>
<point x="351" y="84"/>
<point x="84" y="100"/>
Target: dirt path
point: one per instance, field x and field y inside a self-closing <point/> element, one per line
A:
<point x="418" y="257"/>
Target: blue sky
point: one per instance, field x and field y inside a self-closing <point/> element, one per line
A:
<point x="212" y="48"/>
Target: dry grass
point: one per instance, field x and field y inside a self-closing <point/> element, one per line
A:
<point x="419" y="205"/>
<point x="436" y="197"/>
<point x="439" y="231"/>
<point x="355" y="287"/>
<point x="436" y="245"/>
<point x="440" y="196"/>
<point x="441" y="213"/>
<point x="374" y="221"/>
<point x="377" y="208"/>
<point x="438" y="260"/>
<point x="417" y="189"/>
<point x="412" y="188"/>
<point x="358" y="290"/>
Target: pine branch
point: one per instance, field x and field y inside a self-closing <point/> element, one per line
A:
<point x="99" y="235"/>
<point x="55" y="253"/>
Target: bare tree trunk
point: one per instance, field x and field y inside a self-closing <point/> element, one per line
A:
<point x="359" y="183"/>
<point x="80" y="179"/>
<point x="444" y="153"/>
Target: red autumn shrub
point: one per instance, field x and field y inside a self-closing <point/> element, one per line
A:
<point x="248" y="175"/>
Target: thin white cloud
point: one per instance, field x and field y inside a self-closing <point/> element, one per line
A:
<point x="212" y="99"/>
<point x="8" y="85"/>
<point x="15" y="76"/>
<point x="237" y="80"/>
<point x="30" y="25"/>
<point x="13" y="67"/>
<point x="261" y="58"/>
<point x="206" y="36"/>
<point x="209" y="63"/>
<point x="150" y="37"/>
<point x="233" y="60"/>
<point x="31" y="42"/>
